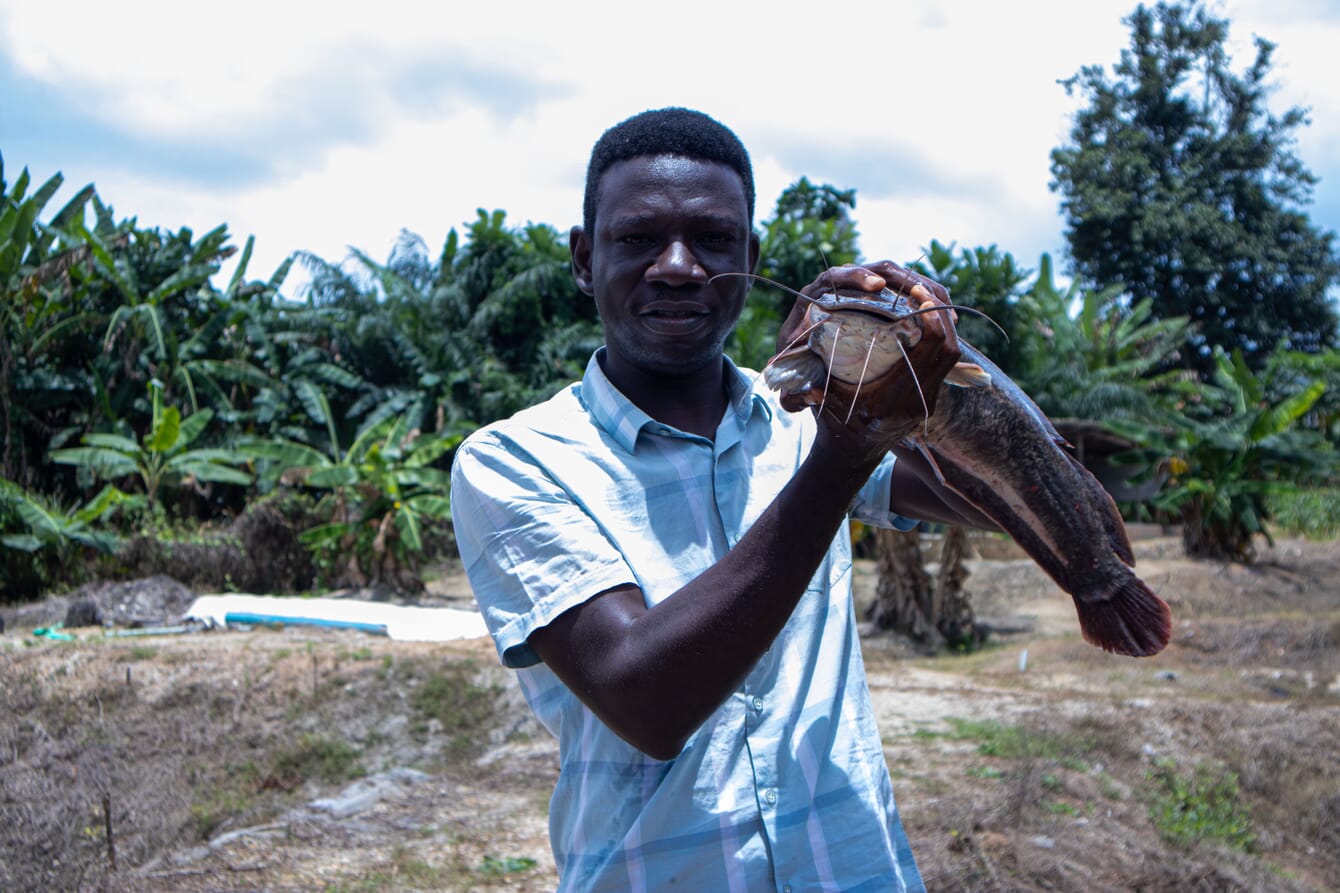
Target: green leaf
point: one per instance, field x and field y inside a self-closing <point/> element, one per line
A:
<point x="105" y="463"/>
<point x="333" y="476"/>
<point x="113" y="442"/>
<point x="1279" y="418"/>
<point x="166" y="431"/>
<point x="22" y="542"/>
<point x="211" y="471"/>
<point x="407" y="522"/>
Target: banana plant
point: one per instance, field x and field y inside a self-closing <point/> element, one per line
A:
<point x="35" y="319"/>
<point x="378" y="496"/>
<point x="1092" y="354"/>
<point x="46" y="525"/>
<point x="162" y="457"/>
<point x="1226" y="459"/>
<point x="40" y="540"/>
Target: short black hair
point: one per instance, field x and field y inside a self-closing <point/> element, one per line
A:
<point x="668" y="131"/>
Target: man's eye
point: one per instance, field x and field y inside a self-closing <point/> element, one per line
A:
<point x="635" y="239"/>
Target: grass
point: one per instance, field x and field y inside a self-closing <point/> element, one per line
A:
<point x="321" y="758"/>
<point x="451" y="698"/>
<point x="996" y="739"/>
<point x="1200" y="804"/>
<point x="1310" y="513"/>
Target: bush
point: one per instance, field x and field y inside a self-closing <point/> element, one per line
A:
<point x="1201" y="805"/>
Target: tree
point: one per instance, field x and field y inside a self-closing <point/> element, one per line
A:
<point x="1179" y="185"/>
<point x="1228" y="455"/>
<point x="988" y="280"/>
<point x="1091" y="354"/>
<point x="810" y="231"/>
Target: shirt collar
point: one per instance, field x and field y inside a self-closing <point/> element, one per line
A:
<point x="624" y="421"/>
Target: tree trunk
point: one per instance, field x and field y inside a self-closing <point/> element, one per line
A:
<point x="908" y="601"/>
<point x="905" y="595"/>
<point x="955" y="620"/>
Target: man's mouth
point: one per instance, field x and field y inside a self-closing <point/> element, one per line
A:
<point x="673" y="320"/>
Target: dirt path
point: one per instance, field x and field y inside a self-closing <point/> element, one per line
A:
<point x="304" y="759"/>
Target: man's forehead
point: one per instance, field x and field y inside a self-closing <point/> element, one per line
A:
<point x="649" y="175"/>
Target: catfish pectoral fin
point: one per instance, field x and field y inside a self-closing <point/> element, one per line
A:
<point x="1127" y="618"/>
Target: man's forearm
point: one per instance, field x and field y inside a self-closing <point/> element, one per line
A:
<point x="655" y="675"/>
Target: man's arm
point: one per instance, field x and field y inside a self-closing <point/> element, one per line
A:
<point x="654" y="675"/>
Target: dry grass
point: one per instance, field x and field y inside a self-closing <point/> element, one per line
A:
<point x="204" y="754"/>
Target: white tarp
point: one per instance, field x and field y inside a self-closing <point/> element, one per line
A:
<point x="404" y="622"/>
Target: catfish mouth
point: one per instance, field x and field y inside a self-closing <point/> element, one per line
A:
<point x="890" y="309"/>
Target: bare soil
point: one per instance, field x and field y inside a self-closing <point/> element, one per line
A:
<point x="305" y="759"/>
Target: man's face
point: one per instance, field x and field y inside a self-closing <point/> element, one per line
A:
<point x="664" y="227"/>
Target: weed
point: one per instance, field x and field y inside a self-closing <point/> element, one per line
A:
<point x="321" y="758"/>
<point x="1018" y="742"/>
<point x="1201" y="805"/>
<point x="1060" y="807"/>
<point x="218" y="802"/>
<point x="1311" y="513"/>
<point x="495" y="866"/>
<point x="458" y="704"/>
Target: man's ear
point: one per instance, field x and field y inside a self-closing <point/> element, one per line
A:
<point x="579" y="244"/>
<point x="753" y="254"/>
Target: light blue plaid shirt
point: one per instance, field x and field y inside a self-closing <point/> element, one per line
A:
<point x="785" y="787"/>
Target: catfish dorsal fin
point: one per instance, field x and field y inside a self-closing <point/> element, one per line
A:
<point x="968" y="375"/>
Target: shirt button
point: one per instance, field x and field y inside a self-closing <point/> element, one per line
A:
<point x="786" y="888"/>
<point x="771" y="798"/>
<point x="758" y="704"/>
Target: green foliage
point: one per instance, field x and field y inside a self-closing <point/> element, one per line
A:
<point x="452" y="699"/>
<point x="500" y="866"/>
<point x="48" y="526"/>
<point x="995" y="739"/>
<point x="810" y="231"/>
<point x="319" y="757"/>
<point x="1203" y="805"/>
<point x="1081" y="353"/>
<point x="161" y="457"/>
<point x="39" y="540"/>
<point x="988" y="280"/>
<point x="1181" y="187"/>
<point x="380" y="494"/>
<point x="1229" y="454"/>
<point x="1311" y="512"/>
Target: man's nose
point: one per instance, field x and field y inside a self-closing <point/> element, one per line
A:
<point x="676" y="265"/>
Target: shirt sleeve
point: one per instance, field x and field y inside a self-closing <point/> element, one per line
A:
<point x="530" y="550"/>
<point x="873" y="501"/>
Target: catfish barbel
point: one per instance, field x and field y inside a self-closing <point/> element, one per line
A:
<point x="992" y="445"/>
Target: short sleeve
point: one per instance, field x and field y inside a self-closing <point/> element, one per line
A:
<point x="872" y="502"/>
<point x="530" y="549"/>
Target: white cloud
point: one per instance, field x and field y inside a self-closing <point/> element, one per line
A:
<point x="356" y="123"/>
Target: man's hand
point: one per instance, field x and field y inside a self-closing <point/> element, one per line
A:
<point x="893" y="406"/>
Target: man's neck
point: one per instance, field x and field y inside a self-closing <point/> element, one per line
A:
<point x="693" y="402"/>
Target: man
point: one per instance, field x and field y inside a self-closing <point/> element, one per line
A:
<point x="661" y="552"/>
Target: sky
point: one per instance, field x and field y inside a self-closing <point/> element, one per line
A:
<point x="325" y="127"/>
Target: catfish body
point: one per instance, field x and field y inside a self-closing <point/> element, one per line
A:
<point x="991" y="444"/>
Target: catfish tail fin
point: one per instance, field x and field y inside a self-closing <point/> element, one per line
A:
<point x="1126" y="619"/>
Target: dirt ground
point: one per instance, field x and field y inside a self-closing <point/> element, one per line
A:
<point x="306" y="759"/>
